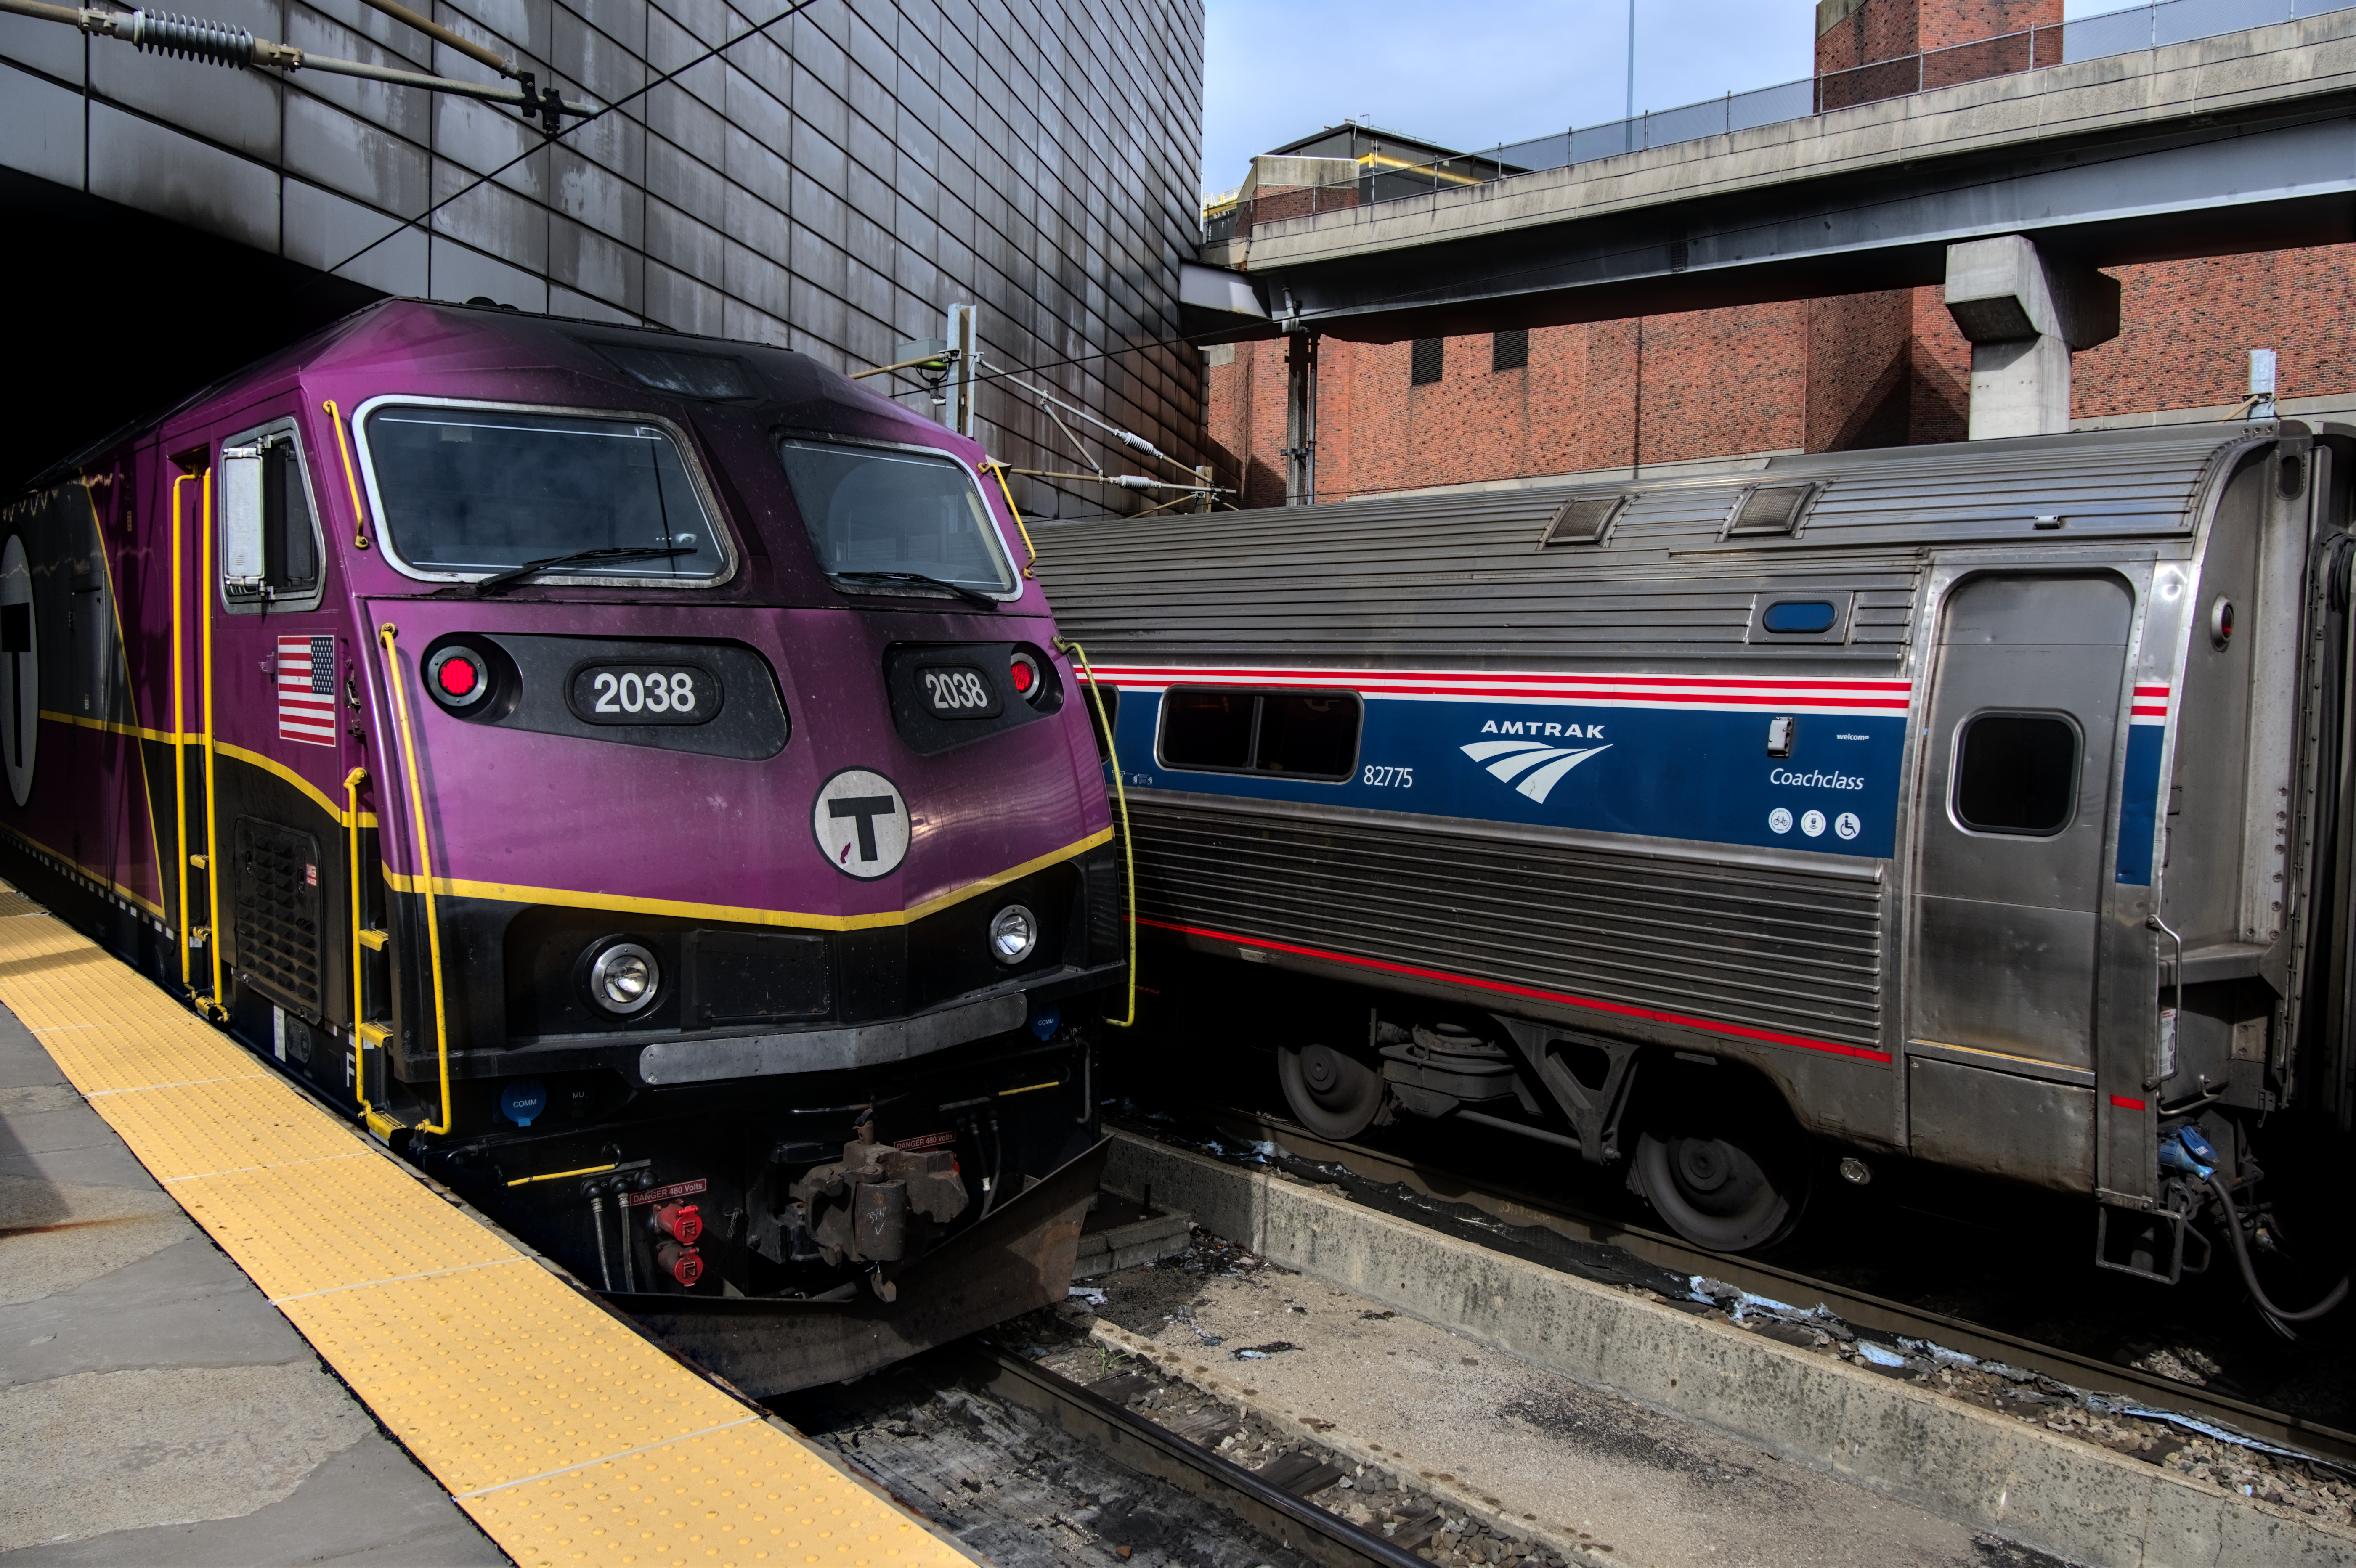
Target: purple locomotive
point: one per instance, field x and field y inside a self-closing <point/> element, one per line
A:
<point x="635" y="773"/>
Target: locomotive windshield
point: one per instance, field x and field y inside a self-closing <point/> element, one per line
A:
<point x="467" y="492"/>
<point x="880" y="512"/>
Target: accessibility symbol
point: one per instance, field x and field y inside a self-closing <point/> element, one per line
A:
<point x="861" y="823"/>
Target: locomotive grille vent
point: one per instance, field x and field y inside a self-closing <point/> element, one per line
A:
<point x="277" y="918"/>
<point x="1771" y="509"/>
<point x="1584" y="519"/>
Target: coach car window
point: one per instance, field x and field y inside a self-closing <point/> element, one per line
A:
<point x="1805" y="617"/>
<point x="270" y="545"/>
<point x="465" y="492"/>
<point x="1298" y="734"/>
<point x="880" y="515"/>
<point x="2016" y="774"/>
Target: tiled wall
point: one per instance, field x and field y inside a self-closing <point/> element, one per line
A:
<point x="830" y="185"/>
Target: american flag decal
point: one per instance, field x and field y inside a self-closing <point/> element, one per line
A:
<point x="306" y="690"/>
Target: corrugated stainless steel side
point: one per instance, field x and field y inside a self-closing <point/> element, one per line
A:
<point x="1463" y="577"/>
<point x="1757" y="948"/>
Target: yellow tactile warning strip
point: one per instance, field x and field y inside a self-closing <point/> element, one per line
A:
<point x="568" y="1437"/>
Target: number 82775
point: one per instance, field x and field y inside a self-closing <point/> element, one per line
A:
<point x="1389" y="778"/>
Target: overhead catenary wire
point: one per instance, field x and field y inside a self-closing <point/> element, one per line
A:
<point x="1125" y="481"/>
<point x="797" y="8"/>
<point x="465" y="46"/>
<point x="222" y="43"/>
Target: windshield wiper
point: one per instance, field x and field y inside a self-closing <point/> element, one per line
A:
<point x="971" y="595"/>
<point x="500" y="580"/>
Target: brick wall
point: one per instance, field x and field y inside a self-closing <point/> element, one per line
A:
<point x="1886" y="29"/>
<point x="1825" y="375"/>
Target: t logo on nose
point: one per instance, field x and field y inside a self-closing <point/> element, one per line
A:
<point x="861" y="823"/>
<point x="864" y="809"/>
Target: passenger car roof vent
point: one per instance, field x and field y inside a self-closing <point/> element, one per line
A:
<point x="1583" y="519"/>
<point x="683" y="372"/>
<point x="1765" y="509"/>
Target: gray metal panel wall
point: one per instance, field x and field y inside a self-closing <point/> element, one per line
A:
<point x="1787" y="949"/>
<point x="830" y="185"/>
<point x="1463" y="579"/>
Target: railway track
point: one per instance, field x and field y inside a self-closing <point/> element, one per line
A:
<point x="1472" y="1207"/>
<point x="1023" y="1464"/>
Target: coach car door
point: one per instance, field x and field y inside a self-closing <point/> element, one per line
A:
<point x="2016" y="782"/>
<point x="276" y="679"/>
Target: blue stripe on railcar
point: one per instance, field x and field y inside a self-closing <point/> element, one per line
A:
<point x="1659" y="771"/>
<point x="2139" y="803"/>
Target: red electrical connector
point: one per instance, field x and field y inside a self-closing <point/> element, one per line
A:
<point x="683" y="1223"/>
<point x="684" y="1265"/>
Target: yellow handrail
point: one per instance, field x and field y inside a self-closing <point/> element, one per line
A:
<point x="1120" y="793"/>
<point x="180" y="736"/>
<point x="385" y="635"/>
<point x="360" y="513"/>
<point x="212" y="794"/>
<point x="998" y="471"/>
<point x="352" y="834"/>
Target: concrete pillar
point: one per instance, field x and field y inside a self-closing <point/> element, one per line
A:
<point x="2024" y="314"/>
<point x="1301" y="418"/>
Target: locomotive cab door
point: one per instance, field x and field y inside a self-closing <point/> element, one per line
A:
<point x="276" y="660"/>
<point x="2010" y="825"/>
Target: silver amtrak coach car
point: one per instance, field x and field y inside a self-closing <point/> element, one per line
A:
<point x="1988" y="805"/>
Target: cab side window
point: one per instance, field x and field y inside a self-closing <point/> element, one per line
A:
<point x="269" y="541"/>
<point x="290" y="542"/>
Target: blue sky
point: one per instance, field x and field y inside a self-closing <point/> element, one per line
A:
<point x="1504" y="70"/>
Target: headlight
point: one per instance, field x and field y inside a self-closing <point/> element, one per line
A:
<point x="625" y="977"/>
<point x="1014" y="934"/>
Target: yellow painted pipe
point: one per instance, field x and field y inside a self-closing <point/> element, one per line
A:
<point x="352" y="838"/>
<point x="351" y="482"/>
<point x="386" y="634"/>
<point x="212" y="794"/>
<point x="998" y="469"/>
<point x="1120" y="793"/>
<point x="180" y="734"/>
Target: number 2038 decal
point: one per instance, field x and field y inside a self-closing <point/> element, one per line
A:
<point x="645" y="694"/>
<point x="957" y="691"/>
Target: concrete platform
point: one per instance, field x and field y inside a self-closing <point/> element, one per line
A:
<point x="1119" y="1235"/>
<point x="154" y="1408"/>
<point x="2003" y="1474"/>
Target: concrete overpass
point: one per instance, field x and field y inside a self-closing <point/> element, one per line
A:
<point x="2240" y="143"/>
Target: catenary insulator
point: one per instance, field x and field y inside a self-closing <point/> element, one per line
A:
<point x="191" y="38"/>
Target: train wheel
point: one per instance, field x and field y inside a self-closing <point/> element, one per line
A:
<point x="1716" y="1192"/>
<point x="1333" y="1093"/>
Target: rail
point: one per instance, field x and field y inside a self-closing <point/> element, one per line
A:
<point x="1138" y="1444"/>
<point x="2089" y="37"/>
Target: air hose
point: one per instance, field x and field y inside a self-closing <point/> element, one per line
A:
<point x="2250" y="1275"/>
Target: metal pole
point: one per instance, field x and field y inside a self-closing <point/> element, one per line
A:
<point x="1301" y="420"/>
<point x="1630" y="120"/>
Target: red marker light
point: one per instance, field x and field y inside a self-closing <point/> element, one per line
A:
<point x="458" y="678"/>
<point x="1030" y="681"/>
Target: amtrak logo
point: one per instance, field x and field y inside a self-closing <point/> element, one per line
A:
<point x="1539" y="766"/>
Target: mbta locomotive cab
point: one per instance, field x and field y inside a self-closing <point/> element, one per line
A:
<point x="637" y="775"/>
